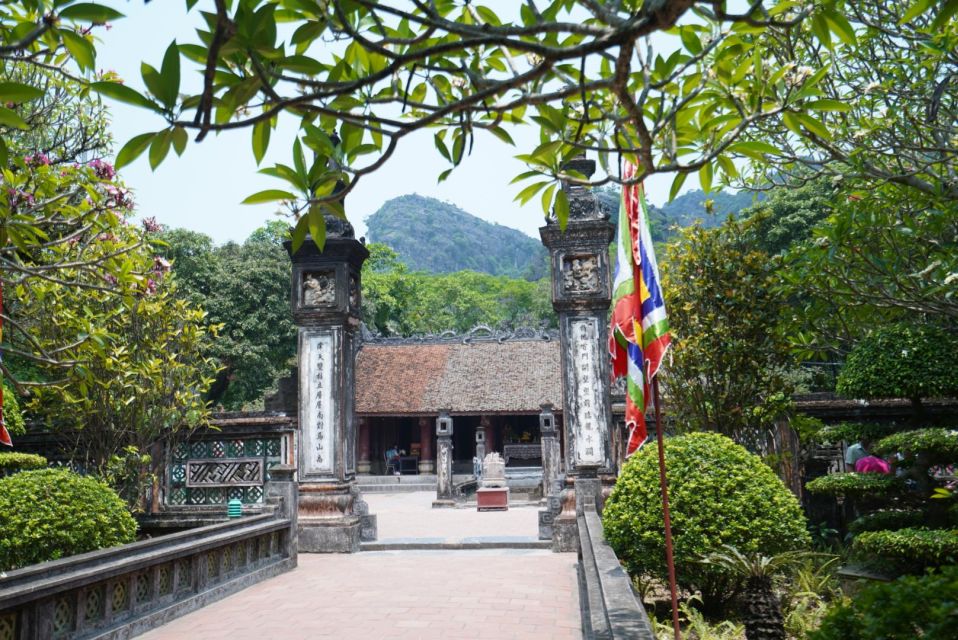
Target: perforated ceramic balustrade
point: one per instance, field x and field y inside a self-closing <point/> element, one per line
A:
<point x="210" y="472"/>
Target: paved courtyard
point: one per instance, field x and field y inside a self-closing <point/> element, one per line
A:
<point x="398" y="595"/>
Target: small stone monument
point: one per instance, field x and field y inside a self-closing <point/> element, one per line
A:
<point x="493" y="495"/>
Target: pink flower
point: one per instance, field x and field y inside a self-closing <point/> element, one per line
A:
<point x="150" y="225"/>
<point x="103" y="170"/>
<point x="110" y="278"/>
<point x="160" y="264"/>
<point x="41" y="159"/>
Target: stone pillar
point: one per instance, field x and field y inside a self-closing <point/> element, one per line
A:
<point x="550" y="449"/>
<point x="426" y="462"/>
<point x="365" y="464"/>
<point x="444" y="489"/>
<point x="325" y="298"/>
<point x="480" y="443"/>
<point x="581" y="293"/>
<point x="283" y="492"/>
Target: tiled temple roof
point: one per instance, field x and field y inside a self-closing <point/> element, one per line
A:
<point x="512" y="376"/>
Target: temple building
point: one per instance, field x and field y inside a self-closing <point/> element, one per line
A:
<point x="491" y="383"/>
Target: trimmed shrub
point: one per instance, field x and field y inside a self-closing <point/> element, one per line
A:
<point x="908" y="608"/>
<point x="890" y="520"/>
<point x="902" y="361"/>
<point x="13" y="461"/>
<point x="855" y="484"/>
<point x="54" y="513"/>
<point x="855" y="432"/>
<point x="720" y="494"/>
<point x="937" y="446"/>
<point x="919" y="548"/>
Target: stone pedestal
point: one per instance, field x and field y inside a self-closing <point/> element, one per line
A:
<point x="492" y="499"/>
<point x="444" y="488"/>
<point x="426" y="462"/>
<point x="581" y="293"/>
<point x="325" y="297"/>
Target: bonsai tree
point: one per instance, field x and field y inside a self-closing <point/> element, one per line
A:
<point x="902" y="361"/>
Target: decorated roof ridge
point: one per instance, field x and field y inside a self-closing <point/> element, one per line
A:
<point x="479" y="334"/>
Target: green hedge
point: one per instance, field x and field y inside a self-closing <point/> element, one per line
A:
<point x="911" y="607"/>
<point x="720" y="495"/>
<point x="14" y="461"/>
<point x="54" y="513"/>
<point x="940" y="446"/>
<point x="856" y="432"/>
<point x="12" y="416"/>
<point x="887" y="520"/>
<point x="855" y="484"/>
<point x="917" y="547"/>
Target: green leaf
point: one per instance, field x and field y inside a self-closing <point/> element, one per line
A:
<point x="170" y="75"/>
<point x="814" y="125"/>
<point x="317" y="225"/>
<point x="80" y="48"/>
<point x="160" y="147"/>
<point x="561" y="208"/>
<point x="4" y="154"/>
<point x="821" y="30"/>
<point x="269" y="195"/>
<point x="89" y="12"/>
<point x="17" y="92"/>
<point x="503" y="135"/>
<point x="261" y="133"/>
<point x="298" y="234"/>
<point x="179" y="140"/>
<point x="133" y="149"/>
<point x="9" y="118"/>
<point x="920" y="7"/>
<point x="526" y="194"/>
<point x="946" y="13"/>
<point x="124" y="93"/>
<point x="705" y="177"/>
<point x="840" y="26"/>
<point x="827" y="104"/>
<point x="754" y="149"/>
<point x="676" y="185"/>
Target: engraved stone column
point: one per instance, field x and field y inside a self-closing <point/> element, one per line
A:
<point x="426" y="462"/>
<point x="325" y="299"/>
<point x="581" y="293"/>
<point x="550" y="449"/>
<point x="444" y="492"/>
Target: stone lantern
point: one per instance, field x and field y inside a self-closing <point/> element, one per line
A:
<point x="325" y="300"/>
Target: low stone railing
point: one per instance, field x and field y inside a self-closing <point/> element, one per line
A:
<point x="122" y="591"/>
<point x="610" y="609"/>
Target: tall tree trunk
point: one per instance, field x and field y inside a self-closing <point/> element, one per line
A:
<point x="762" y="610"/>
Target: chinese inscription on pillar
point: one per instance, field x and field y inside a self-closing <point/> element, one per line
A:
<point x="317" y="428"/>
<point x="589" y="449"/>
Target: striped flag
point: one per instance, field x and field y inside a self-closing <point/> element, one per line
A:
<point x="639" y="335"/>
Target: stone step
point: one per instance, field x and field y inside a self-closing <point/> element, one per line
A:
<point x="406" y="487"/>
<point x="456" y="544"/>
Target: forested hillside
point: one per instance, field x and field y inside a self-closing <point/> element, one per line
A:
<point x="439" y="237"/>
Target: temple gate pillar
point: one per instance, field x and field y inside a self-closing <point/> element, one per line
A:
<point x="551" y="462"/>
<point x="581" y="293"/>
<point x="364" y="465"/>
<point x="444" y="487"/>
<point x="426" y="462"/>
<point x="325" y="299"/>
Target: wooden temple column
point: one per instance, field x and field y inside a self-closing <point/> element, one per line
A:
<point x="364" y="465"/>
<point x="426" y="462"/>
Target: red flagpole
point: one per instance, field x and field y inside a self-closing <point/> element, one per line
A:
<point x="663" y="484"/>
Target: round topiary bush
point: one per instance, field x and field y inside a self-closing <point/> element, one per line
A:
<point x="720" y="494"/>
<point x="54" y="513"/>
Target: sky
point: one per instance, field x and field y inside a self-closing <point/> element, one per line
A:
<point x="203" y="189"/>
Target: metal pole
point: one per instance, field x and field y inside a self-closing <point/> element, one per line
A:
<point x="663" y="484"/>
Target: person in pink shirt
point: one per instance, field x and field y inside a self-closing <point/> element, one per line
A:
<point x="872" y="464"/>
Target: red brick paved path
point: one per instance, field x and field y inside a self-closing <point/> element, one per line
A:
<point x="400" y="595"/>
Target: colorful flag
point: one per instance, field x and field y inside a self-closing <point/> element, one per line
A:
<point x="639" y="335"/>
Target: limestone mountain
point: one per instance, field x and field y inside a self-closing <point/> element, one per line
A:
<point x="439" y="237"/>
